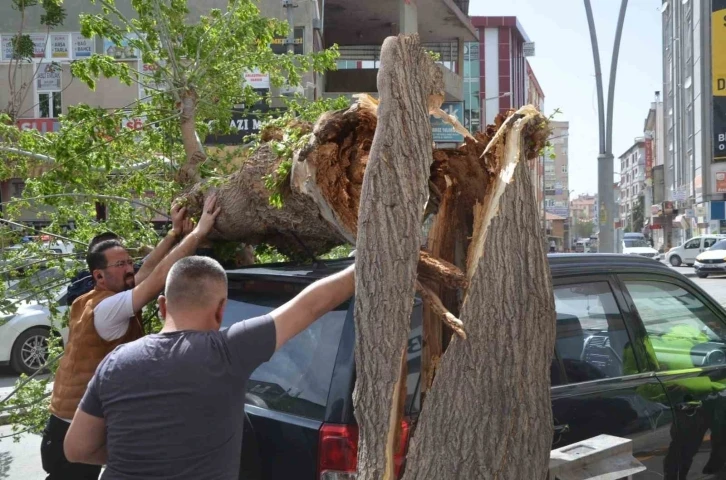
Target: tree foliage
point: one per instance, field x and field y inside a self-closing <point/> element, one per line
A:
<point x="192" y="81"/>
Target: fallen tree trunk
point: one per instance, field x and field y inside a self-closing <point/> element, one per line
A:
<point x="321" y="197"/>
<point x="394" y="194"/>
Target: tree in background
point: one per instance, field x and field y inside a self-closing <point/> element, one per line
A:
<point x="583" y="228"/>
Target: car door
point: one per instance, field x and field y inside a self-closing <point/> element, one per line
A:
<point x="708" y="243"/>
<point x="599" y="384"/>
<point x="686" y="339"/>
<point x="691" y="250"/>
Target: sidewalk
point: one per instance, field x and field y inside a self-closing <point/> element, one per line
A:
<point x="8" y="380"/>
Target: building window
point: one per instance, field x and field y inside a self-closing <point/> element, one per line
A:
<point x="16" y="188"/>
<point x="564" y="168"/>
<point x="49" y="104"/>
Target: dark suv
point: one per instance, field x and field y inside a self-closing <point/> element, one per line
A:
<point x="640" y="353"/>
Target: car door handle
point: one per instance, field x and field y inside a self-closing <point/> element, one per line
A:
<point x="689" y="406"/>
<point x="560" y="429"/>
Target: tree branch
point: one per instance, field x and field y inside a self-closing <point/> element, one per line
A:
<point x="165" y="39"/>
<point x="87" y="195"/>
<point x="27" y="380"/>
<point x="10" y="222"/>
<point x="434" y="302"/>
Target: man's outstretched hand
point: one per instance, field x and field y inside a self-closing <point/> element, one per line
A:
<point x="209" y="215"/>
<point x="178" y="217"/>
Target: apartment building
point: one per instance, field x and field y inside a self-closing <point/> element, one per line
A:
<point x="556" y="176"/>
<point x="694" y="104"/>
<point x="358" y="28"/>
<point x="632" y="181"/>
<point x="536" y="97"/>
<point x="498" y="82"/>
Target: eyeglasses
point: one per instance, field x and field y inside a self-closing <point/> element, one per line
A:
<point x="121" y="263"/>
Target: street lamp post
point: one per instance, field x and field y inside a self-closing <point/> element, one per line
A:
<point x="606" y="237"/>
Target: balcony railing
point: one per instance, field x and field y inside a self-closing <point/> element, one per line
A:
<point x="368" y="56"/>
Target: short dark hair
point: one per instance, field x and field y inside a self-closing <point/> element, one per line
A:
<point x="96" y="258"/>
<point x="102" y="237"/>
<point x="189" y="279"/>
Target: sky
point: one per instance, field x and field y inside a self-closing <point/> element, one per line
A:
<point x="563" y="65"/>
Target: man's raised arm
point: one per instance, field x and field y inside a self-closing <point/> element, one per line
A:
<point x="312" y="303"/>
<point x="150" y="288"/>
<point x="180" y="225"/>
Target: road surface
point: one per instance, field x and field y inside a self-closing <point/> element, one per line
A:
<point x="713" y="285"/>
<point x="20" y="460"/>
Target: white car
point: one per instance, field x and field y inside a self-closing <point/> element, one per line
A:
<point x="24" y="333"/>
<point x="687" y="253"/>
<point x="637" y="246"/>
<point x="712" y="260"/>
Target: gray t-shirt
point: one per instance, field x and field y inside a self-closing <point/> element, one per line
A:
<point x="174" y="402"/>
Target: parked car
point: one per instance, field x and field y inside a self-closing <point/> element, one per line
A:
<point x="640" y="354"/>
<point x="687" y="253"/>
<point x="633" y="236"/>
<point x="24" y="333"/>
<point x="713" y="260"/>
<point x="56" y="246"/>
<point x="639" y="246"/>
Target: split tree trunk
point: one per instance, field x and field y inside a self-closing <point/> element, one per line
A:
<point x="488" y="414"/>
<point x="395" y="191"/>
<point x="478" y="420"/>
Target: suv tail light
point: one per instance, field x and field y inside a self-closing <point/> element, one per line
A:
<point x="338" y="451"/>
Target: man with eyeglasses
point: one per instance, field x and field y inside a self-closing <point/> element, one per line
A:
<point x="108" y="316"/>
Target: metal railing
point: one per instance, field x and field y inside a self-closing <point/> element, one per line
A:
<point x="369" y="56"/>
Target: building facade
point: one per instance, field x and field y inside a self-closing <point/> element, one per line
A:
<point x="556" y="171"/>
<point x="656" y="228"/>
<point x="502" y="70"/>
<point x="583" y="211"/>
<point x="556" y="176"/>
<point x="536" y="97"/>
<point x="358" y="28"/>
<point x="632" y="183"/>
<point x="694" y="104"/>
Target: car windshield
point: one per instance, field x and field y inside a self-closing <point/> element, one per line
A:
<point x="720" y="245"/>
<point x="635" y="243"/>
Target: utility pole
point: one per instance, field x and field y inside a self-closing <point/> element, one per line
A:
<point x="605" y="171"/>
<point x="288" y="5"/>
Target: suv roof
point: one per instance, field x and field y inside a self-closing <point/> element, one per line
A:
<point x="563" y="261"/>
<point x="292" y="271"/>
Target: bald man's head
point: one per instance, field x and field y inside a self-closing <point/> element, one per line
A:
<point x="195" y="284"/>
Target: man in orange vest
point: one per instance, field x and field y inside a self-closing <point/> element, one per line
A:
<point x="107" y="316"/>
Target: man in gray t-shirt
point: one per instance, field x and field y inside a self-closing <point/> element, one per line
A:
<point x="171" y="405"/>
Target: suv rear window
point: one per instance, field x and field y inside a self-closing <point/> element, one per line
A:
<point x="297" y="378"/>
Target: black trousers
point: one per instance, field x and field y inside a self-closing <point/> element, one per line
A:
<point x="54" y="460"/>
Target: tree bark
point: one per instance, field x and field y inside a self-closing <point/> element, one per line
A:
<point x="393" y="197"/>
<point x="488" y="413"/>
<point x="188" y="173"/>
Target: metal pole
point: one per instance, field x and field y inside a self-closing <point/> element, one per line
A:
<point x="288" y="5"/>
<point x="606" y="197"/>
